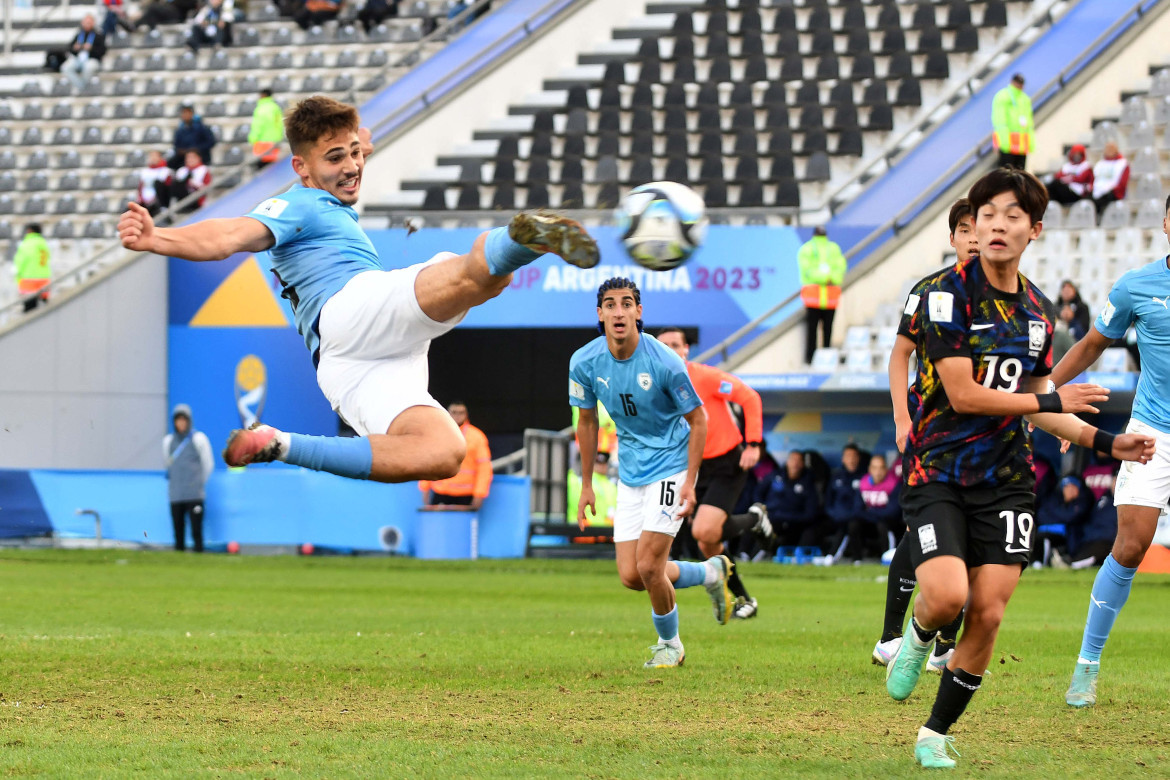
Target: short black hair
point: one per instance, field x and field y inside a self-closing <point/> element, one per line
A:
<point x="1168" y="203"/>
<point x="1030" y="192"/>
<point x="265" y="93"/>
<point x="618" y="283"/>
<point x="678" y="330"/>
<point x="962" y="208"/>
<point x="33" y="227"/>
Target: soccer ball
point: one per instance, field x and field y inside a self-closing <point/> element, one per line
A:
<point x="661" y="224"/>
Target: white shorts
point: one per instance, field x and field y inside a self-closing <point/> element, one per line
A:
<point x="1145" y="484"/>
<point x="374" y="343"/>
<point x="648" y="508"/>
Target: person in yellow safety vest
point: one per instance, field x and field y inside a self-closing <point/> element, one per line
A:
<point x="606" y="431"/>
<point x="604" y="490"/>
<point x="267" y="129"/>
<point x="466" y="490"/>
<point x="822" y="270"/>
<point x="31" y="267"/>
<point x="1011" y="120"/>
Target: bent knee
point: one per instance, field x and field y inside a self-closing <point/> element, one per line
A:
<point x="1129" y="552"/>
<point x="633" y="581"/>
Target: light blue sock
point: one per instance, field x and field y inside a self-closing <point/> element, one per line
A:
<point x="351" y="457"/>
<point x="1110" y="591"/>
<point x="504" y="255"/>
<point x="666" y="625"/>
<point x="690" y="574"/>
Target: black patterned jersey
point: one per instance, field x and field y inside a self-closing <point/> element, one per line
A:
<point x="1007" y="336"/>
<point x="910" y="326"/>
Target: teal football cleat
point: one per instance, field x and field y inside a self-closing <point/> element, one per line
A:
<point x="721" y="600"/>
<point x="1082" y="691"/>
<point x="931" y="752"/>
<point x="665" y="656"/>
<point x="905" y="668"/>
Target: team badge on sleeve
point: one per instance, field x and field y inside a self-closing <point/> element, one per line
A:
<point x="273" y="207"/>
<point x="941" y="306"/>
<point x="644" y="381"/>
<point x="725" y="388"/>
<point x="576" y="391"/>
<point x="912" y="303"/>
<point x="1107" y="312"/>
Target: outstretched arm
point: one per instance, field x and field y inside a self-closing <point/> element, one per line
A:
<point x="1126" y="446"/>
<point x="969" y="397"/>
<point x="211" y="239"/>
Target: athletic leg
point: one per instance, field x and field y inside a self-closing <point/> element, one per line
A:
<point x="899" y="588"/>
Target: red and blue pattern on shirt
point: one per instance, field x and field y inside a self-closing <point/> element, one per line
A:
<point x="1008" y="337"/>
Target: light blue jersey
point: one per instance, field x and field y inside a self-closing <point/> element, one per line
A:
<point x="319" y="247"/>
<point x="647" y="396"/>
<point x="1142" y="297"/>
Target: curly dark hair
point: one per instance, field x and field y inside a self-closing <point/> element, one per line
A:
<point x="618" y="283"/>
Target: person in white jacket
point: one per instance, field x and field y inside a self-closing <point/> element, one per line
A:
<point x="1110" y="178"/>
<point x="188" y="458"/>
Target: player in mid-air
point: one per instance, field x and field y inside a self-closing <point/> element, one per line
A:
<point x="726" y="462"/>
<point x="368" y="329"/>
<point x="900" y="580"/>
<point x="1140" y="298"/>
<point x="969" y="483"/>
<point x="661" y="428"/>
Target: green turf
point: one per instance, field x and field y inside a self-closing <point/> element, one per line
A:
<point x="164" y="665"/>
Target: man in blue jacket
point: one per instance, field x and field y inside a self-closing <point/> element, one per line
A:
<point x="1091" y="541"/>
<point x="844" y="506"/>
<point x="793" y="504"/>
<point x="1065" y="508"/>
<point x="191" y="134"/>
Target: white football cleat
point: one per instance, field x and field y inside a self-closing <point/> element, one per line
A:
<point x="936" y="663"/>
<point x="884" y="651"/>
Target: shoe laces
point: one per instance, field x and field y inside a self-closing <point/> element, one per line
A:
<point x="942" y="746"/>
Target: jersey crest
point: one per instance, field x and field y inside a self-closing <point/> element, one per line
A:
<point x="644" y="381"/>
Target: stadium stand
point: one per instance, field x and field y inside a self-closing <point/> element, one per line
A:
<point x="78" y="150"/>
<point x="770" y="106"/>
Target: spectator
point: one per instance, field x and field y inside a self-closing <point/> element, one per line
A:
<point x="1090" y="542"/>
<point x="880" y="490"/>
<point x="1072" y="320"/>
<point x="1110" y="177"/>
<point x="470" y="486"/>
<point x="822" y="270"/>
<point x="1099" y="476"/>
<point x="154" y="183"/>
<point x="31" y="267"/>
<point x="115" y="15"/>
<point x="191" y="134"/>
<point x="315" y="13"/>
<point x="374" y="12"/>
<point x="191" y="177"/>
<point x="1074" y="180"/>
<point x="187" y="454"/>
<point x="267" y="129"/>
<point x="84" y="58"/>
<point x="165" y="12"/>
<point x="1063" y="510"/>
<point x="844" y="506"/>
<point x="793" y="504"/>
<point x="1011" y="121"/>
<point x="212" y="25"/>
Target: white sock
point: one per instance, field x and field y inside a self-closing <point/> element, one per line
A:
<point x="924" y="732"/>
<point x="712" y="574"/>
<point x="1081" y="660"/>
<point x="675" y="643"/>
<point x="285" y="440"/>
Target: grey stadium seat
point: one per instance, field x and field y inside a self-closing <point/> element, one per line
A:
<point x="61" y="111"/>
<point x="7" y="182"/>
<point x="69" y="182"/>
<point x="93" y="110"/>
<point x="92" y="135"/>
<point x="34" y="204"/>
<point x="38" y="182"/>
<point x="32" y="111"/>
<point x="63" y="136"/>
<point x="31" y="137"/>
<point x="66" y="204"/>
<point x="70" y="159"/>
<point x="64" y="228"/>
<point x="95" y="228"/>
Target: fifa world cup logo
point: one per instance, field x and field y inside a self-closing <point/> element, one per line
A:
<point x="251" y="389"/>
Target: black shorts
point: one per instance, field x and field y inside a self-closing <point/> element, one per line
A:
<point x="981" y="525"/>
<point x="721" y="480"/>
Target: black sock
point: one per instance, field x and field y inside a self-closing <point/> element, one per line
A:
<point x="954" y="694"/>
<point x="899" y="588"/>
<point x="948" y="633"/>
<point x="735" y="525"/>
<point x="924" y="636"/>
<point x="735" y="585"/>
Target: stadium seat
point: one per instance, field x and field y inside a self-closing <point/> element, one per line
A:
<point x="32" y="111"/>
<point x="66" y="204"/>
<point x="347" y="59"/>
<point x="859" y="361"/>
<point x="7" y="182"/>
<point x="1150" y="214"/>
<point x="1116" y="215"/>
<point x="1129" y="241"/>
<point x="825" y="360"/>
<point x="857" y="337"/>
<point x="62" y="136"/>
<point x="102" y="180"/>
<point x="154" y="109"/>
<point x="1081" y="214"/>
<point x="1104" y="132"/>
<point x="1141" y="134"/>
<point x="69" y="159"/>
<point x="1053" y="216"/>
<point x="994" y="14"/>
<point x="95" y="228"/>
<point x="34" y="204"/>
<point x="1146" y="160"/>
<point x="6" y="205"/>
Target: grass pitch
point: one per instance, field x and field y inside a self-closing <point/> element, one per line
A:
<point x="165" y="665"/>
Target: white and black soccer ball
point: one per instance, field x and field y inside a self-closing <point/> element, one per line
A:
<point x="662" y="224"/>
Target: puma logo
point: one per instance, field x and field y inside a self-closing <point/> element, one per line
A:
<point x="604" y="382"/>
<point x="1161" y="301"/>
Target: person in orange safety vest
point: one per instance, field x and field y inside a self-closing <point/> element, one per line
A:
<point x="468" y="488"/>
<point x="726" y="462"/>
<point x="822" y="271"/>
